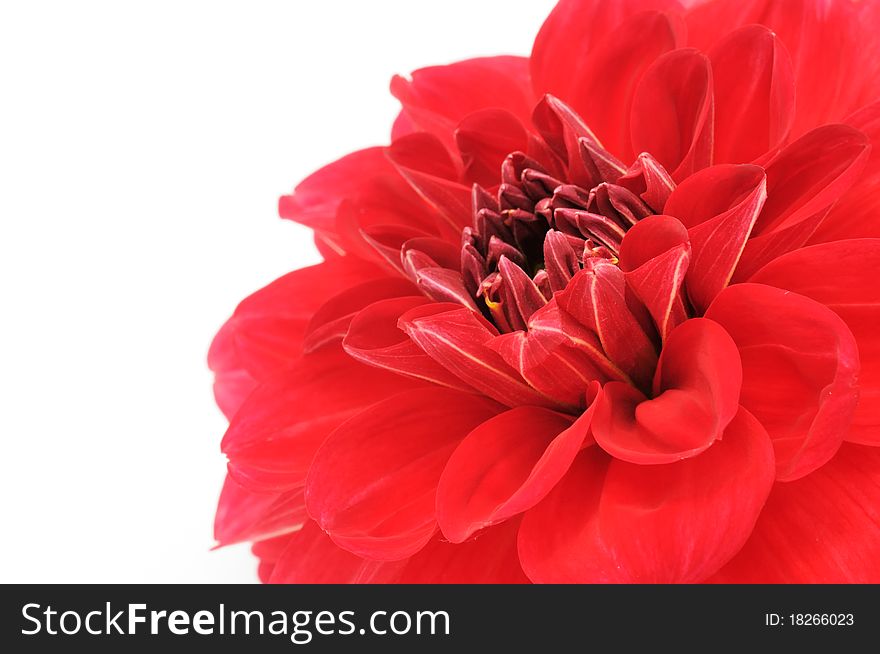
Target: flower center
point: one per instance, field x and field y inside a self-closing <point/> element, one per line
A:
<point x="530" y="239"/>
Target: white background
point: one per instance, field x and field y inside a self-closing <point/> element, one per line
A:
<point x="143" y="146"/>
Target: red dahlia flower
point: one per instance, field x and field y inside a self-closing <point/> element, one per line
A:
<point x="604" y="314"/>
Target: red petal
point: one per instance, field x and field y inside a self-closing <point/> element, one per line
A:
<point x="424" y="153"/>
<point x="842" y="276"/>
<point x="601" y="36"/>
<point x="800" y="366"/>
<point x="459" y="340"/>
<point x="232" y="384"/>
<point x="269" y="551"/>
<point x="310" y="557"/>
<point x="387" y="241"/>
<point x="824" y="528"/>
<point x="810" y="174"/>
<point x="244" y="515"/>
<point x="434" y="265"/>
<point x="437" y="98"/>
<point x="654" y="257"/>
<point x="595" y="299"/>
<point x="375" y="339"/>
<point x="554" y="369"/>
<point x="673" y="113"/>
<point x="373" y="491"/>
<point x="491" y="558"/>
<point x="444" y="285"/>
<point x="563" y="131"/>
<point x="525" y="295"/>
<point x="762" y="249"/>
<point x="603" y="166"/>
<point x="266" y="331"/>
<point x="560" y="260"/>
<point x="367" y="179"/>
<point x="355" y="220"/>
<point x="832" y="45"/>
<point x="649" y="180"/>
<point x="696" y="393"/>
<point x="272" y="438"/>
<point x="316" y="199"/>
<point x="506" y="466"/>
<point x="719" y="206"/>
<point x="569" y="346"/>
<point x="485" y="138"/>
<point x="754" y="94"/>
<point x="418" y="252"/>
<point x="423" y="161"/>
<point x="403" y="126"/>
<point x="854" y="215"/>
<point x="328" y="245"/>
<point x="615" y="522"/>
<point x="330" y="322"/>
<point x="606" y="101"/>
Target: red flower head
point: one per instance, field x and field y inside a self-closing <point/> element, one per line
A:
<point x="604" y="314"/>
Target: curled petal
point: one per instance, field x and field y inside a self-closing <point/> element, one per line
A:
<point x="654" y="257"/>
<point x="648" y="179"/>
<point x="754" y="94"/>
<point x="841" y="275"/>
<point x="525" y="294"/>
<point x="800" y="368"/>
<point x="564" y="132"/>
<point x="610" y="521"/>
<point x="601" y="164"/>
<point x="560" y="260"/>
<point x="444" y="285"/>
<point x="719" y="206"/>
<point x="374" y="492"/>
<point x="572" y="31"/>
<point x="673" y="112"/>
<point x="595" y="298"/>
<point x="831" y="44"/>
<point x="428" y="252"/>
<point x="696" y="395"/>
<point x="629" y="48"/>
<point x="811" y="173"/>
